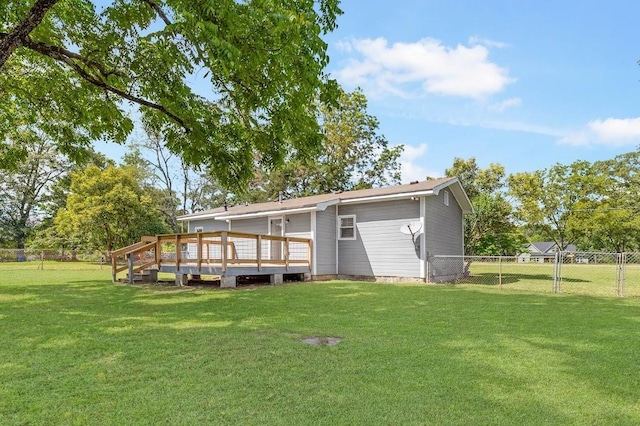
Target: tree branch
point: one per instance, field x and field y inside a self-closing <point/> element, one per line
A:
<point x="20" y="33"/>
<point x="158" y="10"/>
<point x="71" y="59"/>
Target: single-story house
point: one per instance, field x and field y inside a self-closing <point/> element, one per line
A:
<point x="543" y="251"/>
<point x="381" y="233"/>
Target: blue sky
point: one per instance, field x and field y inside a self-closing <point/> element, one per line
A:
<point x="521" y="83"/>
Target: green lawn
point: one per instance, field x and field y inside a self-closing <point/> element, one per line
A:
<point x="77" y="349"/>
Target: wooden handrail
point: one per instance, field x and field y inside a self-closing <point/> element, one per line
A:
<point x="229" y="242"/>
<point x="127" y="249"/>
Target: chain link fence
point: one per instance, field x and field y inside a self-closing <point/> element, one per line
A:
<point x="589" y="273"/>
<point x="53" y="259"/>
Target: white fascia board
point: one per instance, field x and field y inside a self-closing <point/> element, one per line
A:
<point x="323" y="206"/>
<point x="198" y="217"/>
<point x="437" y="189"/>
<point x="267" y="213"/>
<point x="389" y="197"/>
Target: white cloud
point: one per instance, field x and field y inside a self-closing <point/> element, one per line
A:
<point x="617" y="131"/>
<point x="411" y="151"/>
<point x="409" y="169"/>
<point x="609" y="132"/>
<point x="426" y="66"/>
<point x="474" y="40"/>
<point x="506" y="104"/>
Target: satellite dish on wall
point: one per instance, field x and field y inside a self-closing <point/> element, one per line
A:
<point x="412" y="229"/>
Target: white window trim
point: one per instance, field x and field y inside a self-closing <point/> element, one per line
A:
<point x="446" y="198"/>
<point x="339" y="227"/>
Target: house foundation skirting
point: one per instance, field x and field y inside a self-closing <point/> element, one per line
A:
<point x="369" y="278"/>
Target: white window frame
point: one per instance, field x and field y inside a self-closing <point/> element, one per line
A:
<point x="446" y="198"/>
<point x="340" y="227"/>
<point x="198" y="229"/>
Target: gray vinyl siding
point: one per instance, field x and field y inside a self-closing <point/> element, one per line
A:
<point x="380" y="249"/>
<point x="299" y="225"/>
<point x="208" y="225"/>
<point x="444" y="237"/>
<point x="326" y="241"/>
<point x="258" y="225"/>
<point x="444" y="226"/>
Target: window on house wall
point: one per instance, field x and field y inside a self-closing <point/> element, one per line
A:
<point x="446" y="198"/>
<point x="347" y="227"/>
<point x="198" y="229"/>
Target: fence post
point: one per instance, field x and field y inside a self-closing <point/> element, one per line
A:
<point x="556" y="272"/>
<point x="620" y="276"/>
<point x="428" y="268"/>
<point x="500" y="271"/>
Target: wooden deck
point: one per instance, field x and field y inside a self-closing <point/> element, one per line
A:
<point x="221" y="253"/>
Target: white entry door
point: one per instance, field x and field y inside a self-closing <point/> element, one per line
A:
<point x="276" y="227"/>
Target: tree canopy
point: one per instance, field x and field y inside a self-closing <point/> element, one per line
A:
<point x="489" y="230"/>
<point x="220" y="80"/>
<point x="107" y="209"/>
<point x="608" y="213"/>
<point x="25" y="189"/>
<point x="546" y="200"/>
<point x="354" y="155"/>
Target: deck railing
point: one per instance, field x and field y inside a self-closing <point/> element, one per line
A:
<point x="221" y="249"/>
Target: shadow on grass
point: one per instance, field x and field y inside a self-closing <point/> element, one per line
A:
<point x="491" y="279"/>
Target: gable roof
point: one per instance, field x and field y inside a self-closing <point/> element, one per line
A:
<point x="548" y="247"/>
<point x="321" y="202"/>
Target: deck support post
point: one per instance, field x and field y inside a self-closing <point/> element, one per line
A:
<point x="182" y="279"/>
<point x="259" y="251"/>
<point x="223" y="251"/>
<point x="114" y="266"/>
<point x="130" y="259"/>
<point x="228" y="281"/>
<point x="275" y="279"/>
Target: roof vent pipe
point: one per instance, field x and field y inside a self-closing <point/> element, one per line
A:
<point x="225" y="205"/>
<point x="414" y="182"/>
<point x="280" y="197"/>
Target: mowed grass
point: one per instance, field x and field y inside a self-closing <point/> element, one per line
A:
<point x="77" y="349"/>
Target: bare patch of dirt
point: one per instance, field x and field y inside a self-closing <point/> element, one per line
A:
<point x="322" y="341"/>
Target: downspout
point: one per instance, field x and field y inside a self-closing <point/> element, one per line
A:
<point x="336" y="240"/>
<point x="424" y="261"/>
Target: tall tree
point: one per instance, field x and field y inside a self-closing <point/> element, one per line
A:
<point x="107" y="209"/>
<point x="177" y="187"/>
<point x="548" y="199"/>
<point x="489" y="230"/>
<point x="24" y="189"/>
<point x="355" y="155"/>
<point x="75" y="69"/>
<point x="609" y="214"/>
